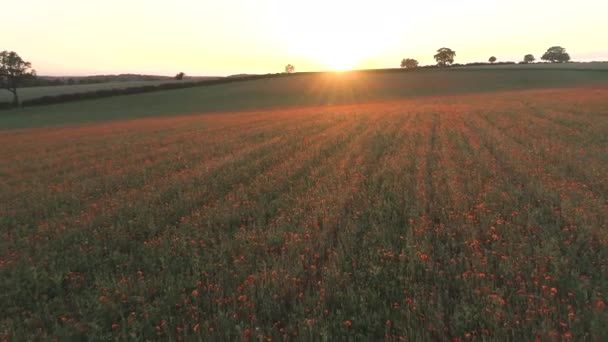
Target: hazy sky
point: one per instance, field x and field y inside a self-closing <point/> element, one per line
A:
<point x="202" y="37"/>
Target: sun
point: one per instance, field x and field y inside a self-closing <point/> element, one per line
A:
<point x="334" y="50"/>
<point x="336" y="39"/>
<point x="340" y="66"/>
<point x="339" y="60"/>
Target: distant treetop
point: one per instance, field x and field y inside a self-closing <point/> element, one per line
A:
<point x="529" y="58"/>
<point x="445" y="56"/>
<point x="556" y="54"/>
<point x="409" y="63"/>
<point x="290" y="69"/>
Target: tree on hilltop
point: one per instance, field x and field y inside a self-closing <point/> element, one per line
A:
<point x="180" y="76"/>
<point x="445" y="57"/>
<point x="556" y="54"/>
<point x="409" y="63"/>
<point x="492" y="59"/>
<point x="13" y="72"/>
<point x="290" y="69"/>
<point x="529" y="58"/>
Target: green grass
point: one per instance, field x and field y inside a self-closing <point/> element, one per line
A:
<point x="36" y="92"/>
<point x="299" y="90"/>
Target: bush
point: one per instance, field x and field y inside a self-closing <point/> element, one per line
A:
<point x="5" y="105"/>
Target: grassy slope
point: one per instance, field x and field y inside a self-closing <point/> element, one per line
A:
<point x="36" y="92"/>
<point x="299" y="90"/>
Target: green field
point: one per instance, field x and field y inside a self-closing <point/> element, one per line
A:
<point x="36" y="92"/>
<point x="405" y="206"/>
<point x="299" y="90"/>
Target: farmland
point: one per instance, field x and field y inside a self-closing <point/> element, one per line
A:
<point x="478" y="214"/>
<point x="36" y="92"/>
<point x="303" y="90"/>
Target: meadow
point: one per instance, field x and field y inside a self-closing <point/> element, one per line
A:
<point x="480" y="214"/>
<point x="36" y="92"/>
<point x="299" y="90"/>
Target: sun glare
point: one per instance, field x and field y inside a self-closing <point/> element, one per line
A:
<point x="334" y="51"/>
<point x="339" y="60"/>
<point x="341" y="37"/>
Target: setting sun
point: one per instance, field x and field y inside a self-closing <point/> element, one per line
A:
<point x="339" y="61"/>
<point x="341" y="36"/>
<point x="339" y="56"/>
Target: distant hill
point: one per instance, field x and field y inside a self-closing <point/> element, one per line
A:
<point x="240" y="75"/>
<point x="294" y="91"/>
<point x="136" y="77"/>
<point x="46" y="81"/>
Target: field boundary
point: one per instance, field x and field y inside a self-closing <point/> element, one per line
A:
<point x="102" y="93"/>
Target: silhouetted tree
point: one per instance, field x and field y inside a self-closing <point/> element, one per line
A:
<point x="492" y="59"/>
<point x="409" y="63"/>
<point x="180" y="76"/>
<point x="445" y="56"/>
<point x="556" y="54"/>
<point x="529" y="58"/>
<point x="13" y="72"/>
<point x="290" y="69"/>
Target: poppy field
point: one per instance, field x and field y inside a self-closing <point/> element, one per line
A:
<point x="453" y="218"/>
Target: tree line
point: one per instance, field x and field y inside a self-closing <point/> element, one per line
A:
<point x="445" y="57"/>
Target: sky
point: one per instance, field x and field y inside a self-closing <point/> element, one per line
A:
<point x="225" y="37"/>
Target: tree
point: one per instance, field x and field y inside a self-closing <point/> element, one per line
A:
<point x="180" y="76"/>
<point x="556" y="54"/>
<point x="492" y="59"/>
<point x="445" y="57"/>
<point x="290" y="69"/>
<point x="529" y="58"/>
<point x="409" y="63"/>
<point x="13" y="72"/>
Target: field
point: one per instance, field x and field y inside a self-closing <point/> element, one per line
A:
<point x="476" y="215"/>
<point x="36" y="92"/>
<point x="300" y="90"/>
